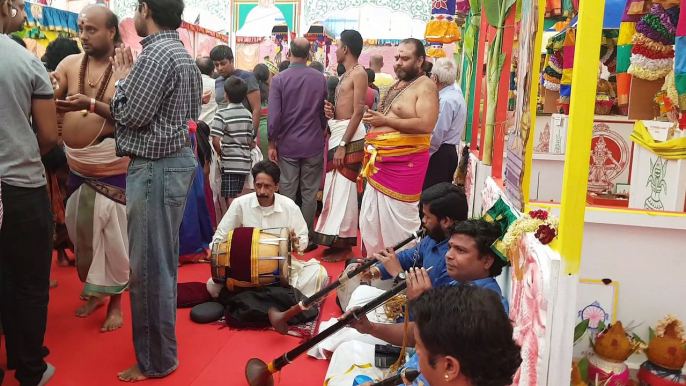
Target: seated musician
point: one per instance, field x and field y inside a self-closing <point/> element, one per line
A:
<point x="264" y="208"/>
<point x="449" y="329"/>
<point x="469" y="259"/>
<point x="443" y="204"/>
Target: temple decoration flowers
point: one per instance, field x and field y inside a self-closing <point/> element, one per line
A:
<point x="441" y="29"/>
<point x="541" y="223"/>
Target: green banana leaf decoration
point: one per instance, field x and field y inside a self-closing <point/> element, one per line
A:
<point x="470" y="42"/>
<point x="496" y="12"/>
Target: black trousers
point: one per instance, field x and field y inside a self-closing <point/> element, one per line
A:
<point x="442" y="166"/>
<point x="25" y="258"/>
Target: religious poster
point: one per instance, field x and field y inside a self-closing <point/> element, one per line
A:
<point x="522" y="129"/>
<point x="610" y="155"/>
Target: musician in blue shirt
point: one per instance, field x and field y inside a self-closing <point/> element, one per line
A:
<point x="443" y="204"/>
<point x="468" y="260"/>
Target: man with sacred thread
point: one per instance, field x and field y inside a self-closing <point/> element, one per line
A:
<point x="397" y="152"/>
<point x="96" y="210"/>
<point x="337" y="225"/>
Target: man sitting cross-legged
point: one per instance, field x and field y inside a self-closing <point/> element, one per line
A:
<point x="264" y="208"/>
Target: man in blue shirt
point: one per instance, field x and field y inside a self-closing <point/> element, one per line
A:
<point x="468" y="260"/>
<point x="452" y="117"/>
<point x="443" y="204"/>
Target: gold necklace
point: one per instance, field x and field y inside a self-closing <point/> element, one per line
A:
<point x="88" y="76"/>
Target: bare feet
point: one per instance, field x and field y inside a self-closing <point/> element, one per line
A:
<point x="132" y="374"/>
<point x="91" y="305"/>
<point x="115" y="316"/>
<point x="333" y="255"/>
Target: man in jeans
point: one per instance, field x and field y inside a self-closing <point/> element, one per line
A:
<point x="296" y="122"/>
<point x="26" y="234"/>
<point x="155" y="98"/>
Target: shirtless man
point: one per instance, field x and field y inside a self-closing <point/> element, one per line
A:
<point x="96" y="209"/>
<point x="406" y="117"/>
<point x="337" y="225"/>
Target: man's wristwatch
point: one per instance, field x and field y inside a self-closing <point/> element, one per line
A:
<point x="401" y="277"/>
<point x="342" y="144"/>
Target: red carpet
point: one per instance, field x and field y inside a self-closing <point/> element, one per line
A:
<point x="208" y="355"/>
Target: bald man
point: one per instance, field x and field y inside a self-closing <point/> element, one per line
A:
<point x="209" y="104"/>
<point x="382" y="80"/>
<point x="295" y="123"/>
<point x="96" y="210"/>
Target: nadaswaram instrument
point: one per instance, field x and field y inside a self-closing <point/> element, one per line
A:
<point x="252" y="257"/>
<point x="279" y="320"/>
<point x="404" y="377"/>
<point x="259" y="373"/>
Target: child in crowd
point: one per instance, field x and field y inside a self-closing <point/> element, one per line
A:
<point x="233" y="137"/>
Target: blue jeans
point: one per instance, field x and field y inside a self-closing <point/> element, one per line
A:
<point x="156" y="193"/>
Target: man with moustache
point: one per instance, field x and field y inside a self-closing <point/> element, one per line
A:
<point x="404" y="120"/>
<point x="96" y="209"/>
<point x="27" y="228"/>
<point x="337" y="225"/>
<point x="155" y="99"/>
<point x="264" y="208"/>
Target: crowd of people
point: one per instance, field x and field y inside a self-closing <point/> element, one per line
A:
<point x="138" y="164"/>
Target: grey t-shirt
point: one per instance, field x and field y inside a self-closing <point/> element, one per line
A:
<point x="22" y="79"/>
<point x="249" y="79"/>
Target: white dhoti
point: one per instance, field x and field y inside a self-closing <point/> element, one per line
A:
<point x="385" y="221"/>
<point x="96" y="219"/>
<point x="350" y="360"/>
<point x="337" y="224"/>
<point x="361" y="296"/>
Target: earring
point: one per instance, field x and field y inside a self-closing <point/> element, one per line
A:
<point x="447" y="376"/>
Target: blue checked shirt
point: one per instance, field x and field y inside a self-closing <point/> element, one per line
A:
<point x="154" y="103"/>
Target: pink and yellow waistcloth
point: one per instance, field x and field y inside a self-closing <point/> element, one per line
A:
<point x="395" y="164"/>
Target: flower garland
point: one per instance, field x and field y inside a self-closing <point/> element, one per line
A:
<point x="539" y="221"/>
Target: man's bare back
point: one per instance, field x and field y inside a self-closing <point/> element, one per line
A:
<point x="78" y="131"/>
<point x="417" y="102"/>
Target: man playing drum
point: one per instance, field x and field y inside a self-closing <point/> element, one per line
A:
<point x="263" y="209"/>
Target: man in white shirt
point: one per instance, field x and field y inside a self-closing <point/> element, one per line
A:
<point x="209" y="108"/>
<point x="452" y="117"/>
<point x="264" y="208"/>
